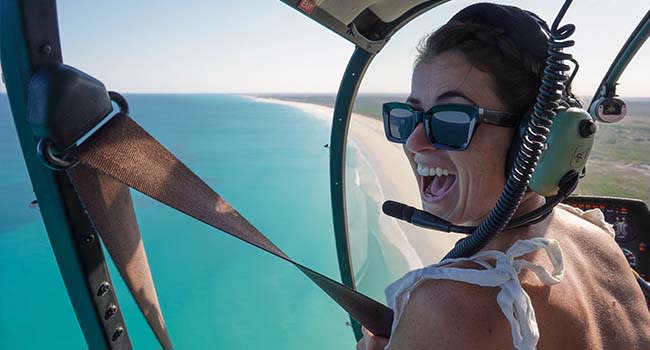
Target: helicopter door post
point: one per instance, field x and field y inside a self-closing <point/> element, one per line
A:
<point x="30" y="40"/>
<point x="354" y="72"/>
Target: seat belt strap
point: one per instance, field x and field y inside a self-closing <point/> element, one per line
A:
<point x="108" y="205"/>
<point x="121" y="151"/>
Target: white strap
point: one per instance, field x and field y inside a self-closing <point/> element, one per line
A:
<point x="512" y="299"/>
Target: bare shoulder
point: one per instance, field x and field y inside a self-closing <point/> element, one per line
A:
<point x="591" y="250"/>
<point x="443" y="314"/>
<point x="598" y="288"/>
<point x="577" y="228"/>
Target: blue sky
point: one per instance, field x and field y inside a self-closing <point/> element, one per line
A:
<point x="265" y="46"/>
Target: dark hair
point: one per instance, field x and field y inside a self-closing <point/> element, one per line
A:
<point x="516" y="73"/>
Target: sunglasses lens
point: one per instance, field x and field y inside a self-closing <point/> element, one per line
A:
<point x="401" y="123"/>
<point x="451" y="129"/>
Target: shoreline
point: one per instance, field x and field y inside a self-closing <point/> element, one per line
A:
<point x="392" y="176"/>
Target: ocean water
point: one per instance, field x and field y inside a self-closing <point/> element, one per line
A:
<point x="269" y="162"/>
<point x="377" y="259"/>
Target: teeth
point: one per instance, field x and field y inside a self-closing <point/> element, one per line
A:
<point x="424" y="170"/>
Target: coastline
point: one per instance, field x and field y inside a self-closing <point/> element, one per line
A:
<point x="391" y="175"/>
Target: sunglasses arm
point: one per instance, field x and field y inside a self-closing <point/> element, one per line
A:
<point x="497" y="118"/>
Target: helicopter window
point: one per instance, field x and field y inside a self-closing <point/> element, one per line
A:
<point x="383" y="249"/>
<point x="619" y="164"/>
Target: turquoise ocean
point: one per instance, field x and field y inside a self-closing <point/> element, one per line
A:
<point x="269" y="162"/>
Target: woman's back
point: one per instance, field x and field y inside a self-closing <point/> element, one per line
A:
<point x="598" y="304"/>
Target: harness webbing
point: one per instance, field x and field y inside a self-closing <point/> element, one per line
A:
<point x="121" y="154"/>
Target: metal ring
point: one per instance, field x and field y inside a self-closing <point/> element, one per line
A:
<point x="45" y="152"/>
<point x="120" y="101"/>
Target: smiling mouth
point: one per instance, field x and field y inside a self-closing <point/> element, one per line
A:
<point x="435" y="182"/>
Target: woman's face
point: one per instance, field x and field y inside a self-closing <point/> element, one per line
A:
<point x="476" y="176"/>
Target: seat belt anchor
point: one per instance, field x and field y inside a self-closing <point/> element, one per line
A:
<point x="59" y="161"/>
<point x="50" y="158"/>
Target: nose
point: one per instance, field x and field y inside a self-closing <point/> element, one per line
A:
<point x="418" y="140"/>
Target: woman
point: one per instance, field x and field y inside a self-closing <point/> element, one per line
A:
<point x="564" y="283"/>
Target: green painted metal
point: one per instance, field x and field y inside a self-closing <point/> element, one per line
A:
<point x="625" y="55"/>
<point x="359" y="62"/>
<point x="18" y="66"/>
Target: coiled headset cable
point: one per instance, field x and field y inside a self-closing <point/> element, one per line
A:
<point x="550" y="98"/>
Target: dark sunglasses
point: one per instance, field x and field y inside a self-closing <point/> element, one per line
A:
<point x="447" y="126"/>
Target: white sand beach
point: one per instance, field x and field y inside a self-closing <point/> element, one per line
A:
<point x="417" y="247"/>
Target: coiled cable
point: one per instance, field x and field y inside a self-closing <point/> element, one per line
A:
<point x="551" y="92"/>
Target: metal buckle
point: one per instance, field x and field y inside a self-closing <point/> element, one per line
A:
<point x="62" y="161"/>
<point x="120" y="101"/>
<point x="50" y="159"/>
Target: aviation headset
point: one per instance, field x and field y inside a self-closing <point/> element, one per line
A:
<point x="572" y="133"/>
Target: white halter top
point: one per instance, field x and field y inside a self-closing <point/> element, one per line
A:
<point x="512" y="299"/>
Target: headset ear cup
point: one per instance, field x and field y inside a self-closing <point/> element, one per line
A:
<point x="517" y="139"/>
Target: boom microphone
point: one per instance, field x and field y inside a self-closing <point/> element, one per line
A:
<point x="427" y="220"/>
<point x="422" y="218"/>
